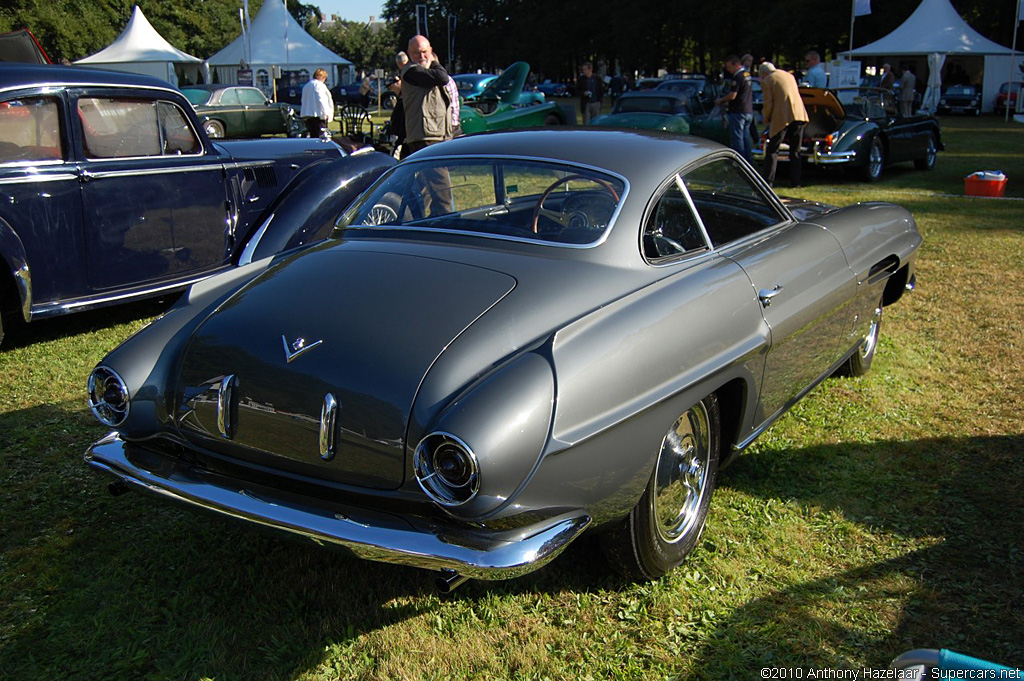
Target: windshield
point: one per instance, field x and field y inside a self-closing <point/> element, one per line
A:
<point x="663" y="105"/>
<point x="506" y="198"/>
<point x="196" y="97"/>
<point x="960" y="90"/>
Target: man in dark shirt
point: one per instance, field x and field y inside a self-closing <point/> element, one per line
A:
<point x="591" y="90"/>
<point x="739" y="106"/>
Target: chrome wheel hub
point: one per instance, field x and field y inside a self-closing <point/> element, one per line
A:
<point x="681" y="476"/>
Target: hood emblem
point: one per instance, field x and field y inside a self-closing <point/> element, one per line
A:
<point x="297" y="347"/>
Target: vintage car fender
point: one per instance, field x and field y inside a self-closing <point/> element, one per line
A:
<point x="15" y="259"/>
<point x="307" y="208"/>
<point x="147" y="360"/>
<point x="857" y="138"/>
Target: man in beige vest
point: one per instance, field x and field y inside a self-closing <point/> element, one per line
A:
<point x="786" y="117"/>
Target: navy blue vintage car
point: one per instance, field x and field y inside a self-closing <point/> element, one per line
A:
<point x="111" y="191"/>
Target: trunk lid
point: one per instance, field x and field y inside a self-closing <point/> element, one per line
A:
<point x="364" y="327"/>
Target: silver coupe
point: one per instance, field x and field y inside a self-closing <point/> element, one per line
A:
<point x="510" y="339"/>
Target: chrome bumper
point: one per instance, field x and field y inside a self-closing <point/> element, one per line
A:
<point x="812" y="154"/>
<point x="419" y="542"/>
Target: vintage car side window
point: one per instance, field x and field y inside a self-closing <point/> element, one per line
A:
<point x="177" y="134"/>
<point x="251" y="96"/>
<point x="229" y="97"/>
<point x="510" y="198"/>
<point x="730" y="205"/>
<point x="671" y="227"/>
<point x="119" y="128"/>
<point x="30" y="130"/>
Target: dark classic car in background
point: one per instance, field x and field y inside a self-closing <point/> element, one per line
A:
<point x="960" y="99"/>
<point x="240" y="111"/>
<point x="862" y="130"/>
<point x="501" y="107"/>
<point x="529" y="334"/>
<point x="111" y="191"/>
<point x="668" y="110"/>
<point x="350" y="94"/>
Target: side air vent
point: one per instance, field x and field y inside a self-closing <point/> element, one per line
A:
<point x="264" y="176"/>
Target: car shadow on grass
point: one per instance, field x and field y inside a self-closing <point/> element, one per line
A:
<point x="96" y="586"/>
<point x="19" y="334"/>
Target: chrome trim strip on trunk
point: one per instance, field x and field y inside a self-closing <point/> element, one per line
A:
<point x="225" y="404"/>
<point x="328" y="419"/>
<point x="431" y="543"/>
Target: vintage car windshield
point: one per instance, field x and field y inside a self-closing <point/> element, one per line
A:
<point x="960" y="90"/>
<point x="506" y="198"/>
<point x="866" y="102"/>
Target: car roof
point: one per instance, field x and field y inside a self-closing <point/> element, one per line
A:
<point x="641" y="156"/>
<point x="17" y="75"/>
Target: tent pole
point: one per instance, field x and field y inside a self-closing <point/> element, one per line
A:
<point x="853" y="15"/>
<point x="1013" y="59"/>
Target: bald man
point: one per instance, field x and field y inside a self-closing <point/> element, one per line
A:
<point x="425" y="98"/>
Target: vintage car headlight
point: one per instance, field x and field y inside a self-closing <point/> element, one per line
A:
<point x="942" y="102"/>
<point x="108" y="396"/>
<point x="446" y="469"/>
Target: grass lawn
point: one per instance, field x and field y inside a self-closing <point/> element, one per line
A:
<point x="883" y="514"/>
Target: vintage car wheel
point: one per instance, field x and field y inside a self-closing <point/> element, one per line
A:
<point x="551" y="119"/>
<point x="930" y="153"/>
<point x="872" y="170"/>
<point x="860" y="361"/>
<point x="214" y="129"/>
<point x="667" y="522"/>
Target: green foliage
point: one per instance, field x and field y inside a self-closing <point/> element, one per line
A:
<point x="368" y="47"/>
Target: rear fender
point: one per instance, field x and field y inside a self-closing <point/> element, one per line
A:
<point x="15" y="264"/>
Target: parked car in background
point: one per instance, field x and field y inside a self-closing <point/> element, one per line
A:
<point x="551" y="88"/>
<point x="570" y="330"/>
<point x="1007" y="96"/>
<point x="667" y="110"/>
<point x="472" y="86"/>
<point x="501" y="106"/>
<point x="240" y="111"/>
<point x="964" y="99"/>
<point x="112" y="191"/>
<point x="648" y="83"/>
<point x="349" y="94"/>
<point x="693" y="86"/>
<point x="862" y="130"/>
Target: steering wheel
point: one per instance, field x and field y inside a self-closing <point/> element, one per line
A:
<point x="560" y="217"/>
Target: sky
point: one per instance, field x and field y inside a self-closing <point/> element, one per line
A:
<point x="352" y="10"/>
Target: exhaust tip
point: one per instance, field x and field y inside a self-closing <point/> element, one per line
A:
<point x="448" y="581"/>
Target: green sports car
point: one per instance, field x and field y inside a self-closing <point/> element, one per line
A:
<point x="668" y="110"/>
<point x="498" y="106"/>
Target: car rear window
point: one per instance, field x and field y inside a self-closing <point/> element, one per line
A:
<point x="508" y="198"/>
<point x="30" y="130"/>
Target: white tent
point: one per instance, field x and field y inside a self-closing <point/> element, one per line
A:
<point x="140" y="49"/>
<point x="277" y="40"/>
<point x="935" y="28"/>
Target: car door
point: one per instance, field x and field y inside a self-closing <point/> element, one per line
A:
<point x="153" y="196"/>
<point x="798" y="272"/>
<point x="40" y="206"/>
<point x="262" y="117"/>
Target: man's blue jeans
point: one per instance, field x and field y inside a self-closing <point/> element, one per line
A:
<point x="739" y="133"/>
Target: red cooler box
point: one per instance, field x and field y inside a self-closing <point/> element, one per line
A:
<point x="985" y="183"/>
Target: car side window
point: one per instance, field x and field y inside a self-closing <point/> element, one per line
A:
<point x="30" y="130"/>
<point x="671" y="228"/>
<point x="728" y="202"/>
<point x="178" y="135"/>
<point x="251" y="96"/>
<point x="119" y="128"/>
<point x="229" y="97"/>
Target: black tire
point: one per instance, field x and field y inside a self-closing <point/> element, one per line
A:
<point x="214" y="129"/>
<point x="872" y="170"/>
<point x="388" y="101"/>
<point x="860" y="361"/>
<point x="551" y="119"/>
<point x="666" y="524"/>
<point x="930" y="154"/>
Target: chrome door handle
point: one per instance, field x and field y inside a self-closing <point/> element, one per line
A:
<point x="765" y="295"/>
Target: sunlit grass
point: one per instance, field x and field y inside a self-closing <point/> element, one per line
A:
<point x="881" y="514"/>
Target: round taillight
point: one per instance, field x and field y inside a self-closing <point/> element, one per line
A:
<point x="446" y="469"/>
<point x="108" y="396"/>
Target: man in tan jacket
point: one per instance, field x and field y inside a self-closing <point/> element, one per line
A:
<point x="786" y="117"/>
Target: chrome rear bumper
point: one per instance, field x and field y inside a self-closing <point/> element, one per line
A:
<point x="419" y="542"/>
